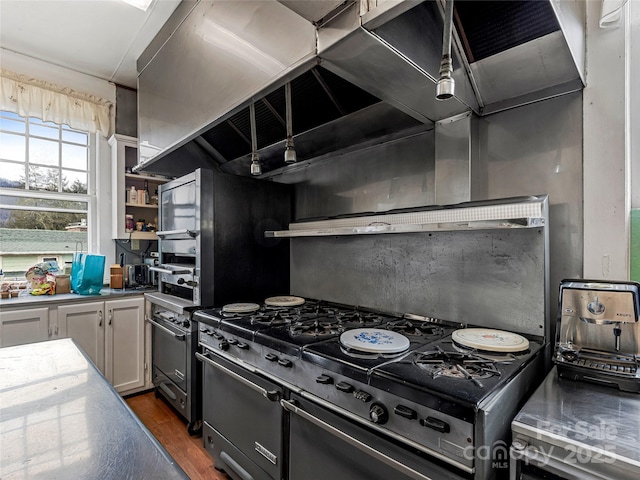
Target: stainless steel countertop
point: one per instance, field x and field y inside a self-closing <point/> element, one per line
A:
<point x="60" y="419"/>
<point x="592" y="426"/>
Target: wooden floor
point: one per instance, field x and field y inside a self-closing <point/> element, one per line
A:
<point x="171" y="432"/>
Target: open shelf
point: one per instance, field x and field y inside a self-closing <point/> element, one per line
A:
<point x="149" y="178"/>
<point x="124" y="157"/>
<point x="138" y="205"/>
<point x="136" y="235"/>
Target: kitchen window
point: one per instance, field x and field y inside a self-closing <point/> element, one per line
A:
<point x="47" y="192"/>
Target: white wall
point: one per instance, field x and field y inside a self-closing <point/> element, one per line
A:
<point x="100" y="240"/>
<point x="606" y="172"/>
<point x="634" y="101"/>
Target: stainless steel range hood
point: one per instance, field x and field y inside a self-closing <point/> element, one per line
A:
<point x="372" y="74"/>
<point x="508" y="53"/>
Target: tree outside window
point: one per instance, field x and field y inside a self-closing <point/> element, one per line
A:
<point x="44" y="191"/>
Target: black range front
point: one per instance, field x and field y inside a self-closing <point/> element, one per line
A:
<point x="243" y="420"/>
<point x="246" y="359"/>
<point x="329" y="411"/>
<point x="175" y="371"/>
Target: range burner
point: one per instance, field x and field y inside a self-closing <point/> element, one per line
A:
<point x="441" y="363"/>
<point x="358" y="319"/>
<point x="272" y="318"/>
<point x="318" y="328"/>
<point x="415" y="328"/>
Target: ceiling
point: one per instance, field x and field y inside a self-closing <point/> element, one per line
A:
<point x="101" y="38"/>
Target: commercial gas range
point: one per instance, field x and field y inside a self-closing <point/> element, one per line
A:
<point x="287" y="397"/>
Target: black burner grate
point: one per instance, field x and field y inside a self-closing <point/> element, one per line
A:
<point x="441" y="363"/>
<point x="318" y="328"/>
<point x="414" y="328"/>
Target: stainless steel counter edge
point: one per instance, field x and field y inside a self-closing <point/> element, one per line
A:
<point x="60" y="418"/>
<point x="581" y="427"/>
<point x="28" y="300"/>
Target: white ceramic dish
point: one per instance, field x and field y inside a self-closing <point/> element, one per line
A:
<point x="374" y="340"/>
<point x="241" y="307"/>
<point x="490" y="340"/>
<point x="284" y="301"/>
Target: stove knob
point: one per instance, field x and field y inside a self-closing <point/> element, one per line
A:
<point x="209" y="332"/>
<point x="233" y="341"/>
<point x="186" y="324"/>
<point x="344" y="387"/>
<point x="242" y="346"/>
<point x="285" y="363"/>
<point x="405" y="412"/>
<point x="223" y="345"/>
<point x="271" y="357"/>
<point x="324" y="379"/>
<point x="378" y="414"/>
<point x="217" y="336"/>
<point x="437" y="425"/>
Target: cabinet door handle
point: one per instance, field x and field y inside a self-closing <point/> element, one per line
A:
<point x="110" y="316"/>
<point x="56" y="329"/>
<point x="99" y="319"/>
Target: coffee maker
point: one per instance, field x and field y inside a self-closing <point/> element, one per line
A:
<point x="598" y="333"/>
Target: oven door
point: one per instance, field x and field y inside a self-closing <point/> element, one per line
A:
<point x="169" y="351"/>
<point x="242" y="420"/>
<point x="324" y="445"/>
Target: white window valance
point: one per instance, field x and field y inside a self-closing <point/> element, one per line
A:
<point x="30" y="97"/>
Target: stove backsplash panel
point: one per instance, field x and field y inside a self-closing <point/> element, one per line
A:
<point x="490" y="278"/>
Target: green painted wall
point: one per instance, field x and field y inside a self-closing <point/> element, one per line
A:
<point x="635" y="245"/>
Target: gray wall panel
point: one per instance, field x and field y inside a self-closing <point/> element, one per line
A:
<point x="398" y="174"/>
<point x="532" y="150"/>
<point x="488" y="278"/>
<point x="126" y="111"/>
<point x="535" y="149"/>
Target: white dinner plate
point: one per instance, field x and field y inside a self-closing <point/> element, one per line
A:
<point x="241" y="307"/>
<point x="490" y="340"/>
<point x="374" y="340"/>
<point x="284" y="301"/>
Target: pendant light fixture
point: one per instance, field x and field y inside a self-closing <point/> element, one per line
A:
<point x="445" y="88"/>
<point x="290" y="151"/>
<point x="256" y="168"/>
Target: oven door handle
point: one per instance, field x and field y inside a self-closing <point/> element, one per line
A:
<point x="166" y="330"/>
<point x="363" y="447"/>
<point x="184" y="231"/>
<point x="272" y="395"/>
<point x="170" y="272"/>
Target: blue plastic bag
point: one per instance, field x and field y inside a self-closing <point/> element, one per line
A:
<point x="87" y="273"/>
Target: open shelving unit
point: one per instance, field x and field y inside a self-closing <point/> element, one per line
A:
<point x="124" y="154"/>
